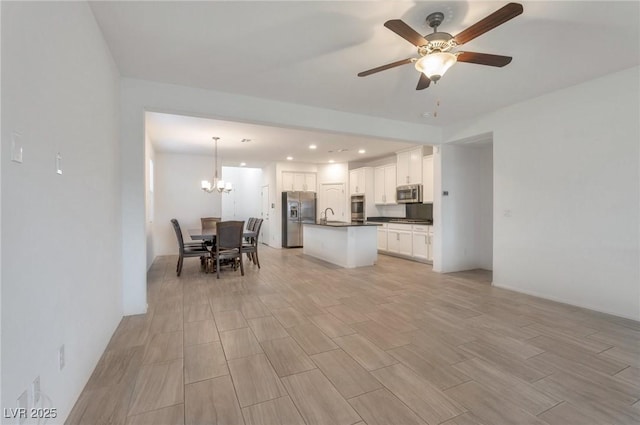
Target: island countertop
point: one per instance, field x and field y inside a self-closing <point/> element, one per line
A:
<point x="342" y="224"/>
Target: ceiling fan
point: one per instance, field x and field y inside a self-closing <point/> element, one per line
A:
<point x="436" y="49"/>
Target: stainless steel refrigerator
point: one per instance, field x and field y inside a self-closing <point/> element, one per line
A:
<point x="297" y="208"/>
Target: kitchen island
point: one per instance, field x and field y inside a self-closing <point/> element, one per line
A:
<point x="347" y="245"/>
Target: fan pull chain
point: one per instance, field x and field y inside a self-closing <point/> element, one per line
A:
<point x="435" y="110"/>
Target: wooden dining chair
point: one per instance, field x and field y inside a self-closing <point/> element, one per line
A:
<point x="251" y="247"/>
<point x="209" y="222"/>
<point x="228" y="244"/>
<point x="187" y="250"/>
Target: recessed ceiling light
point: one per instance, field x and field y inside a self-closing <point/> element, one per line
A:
<point x="312" y="146"/>
<point x="361" y="151"/>
<point x="242" y="164"/>
<point x="331" y="161"/>
<point x="289" y="158"/>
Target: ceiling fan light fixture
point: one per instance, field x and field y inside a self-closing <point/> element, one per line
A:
<point x="434" y="65"/>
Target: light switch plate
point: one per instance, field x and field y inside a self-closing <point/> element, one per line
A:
<point x="61" y="359"/>
<point x="16" y="147"/>
<point x="58" y="163"/>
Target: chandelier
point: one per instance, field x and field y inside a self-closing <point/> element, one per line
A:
<point x="218" y="185"/>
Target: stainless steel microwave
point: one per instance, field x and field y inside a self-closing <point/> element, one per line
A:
<point x="409" y="194"/>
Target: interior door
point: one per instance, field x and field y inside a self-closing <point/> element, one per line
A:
<point x="264" y="214"/>
<point x="333" y="196"/>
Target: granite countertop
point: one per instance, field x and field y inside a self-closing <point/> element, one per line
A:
<point x="400" y="220"/>
<point x="342" y="224"/>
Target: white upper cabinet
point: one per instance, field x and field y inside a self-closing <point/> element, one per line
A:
<point x="390" y="184"/>
<point x="427" y="179"/>
<point x="385" y="184"/>
<point x="409" y="167"/>
<point x="293" y="181"/>
<point x="310" y="184"/>
<point x="298" y="181"/>
<point x="287" y="181"/>
<point x="357" y="181"/>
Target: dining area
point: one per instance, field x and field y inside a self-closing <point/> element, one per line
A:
<point x="220" y="245"/>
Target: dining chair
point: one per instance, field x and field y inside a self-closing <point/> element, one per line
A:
<point x="187" y="250"/>
<point x="251" y="248"/>
<point x="251" y="223"/>
<point x="209" y="222"/>
<point x="228" y="244"/>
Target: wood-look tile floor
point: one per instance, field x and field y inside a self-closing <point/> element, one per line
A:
<point x="303" y="342"/>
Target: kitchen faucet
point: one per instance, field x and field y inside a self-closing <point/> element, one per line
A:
<point x="325" y="214"/>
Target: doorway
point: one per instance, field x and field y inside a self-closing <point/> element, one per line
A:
<point x="466" y="207"/>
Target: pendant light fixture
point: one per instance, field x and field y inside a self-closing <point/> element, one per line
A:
<point x="218" y="185"/>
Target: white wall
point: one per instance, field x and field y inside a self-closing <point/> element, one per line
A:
<point x="465" y="221"/>
<point x="244" y="200"/>
<point x="61" y="268"/>
<point x="178" y="195"/>
<point x="269" y="179"/>
<point x="484" y="184"/>
<point x="567" y="195"/>
<point x="1" y="166"/>
<point x="149" y="181"/>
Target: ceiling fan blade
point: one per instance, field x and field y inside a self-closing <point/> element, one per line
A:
<point x="423" y="82"/>
<point x="406" y="32"/>
<point x="484" y="59"/>
<point x="498" y="17"/>
<point x="384" y="67"/>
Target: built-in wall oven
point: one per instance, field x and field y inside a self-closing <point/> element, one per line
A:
<point x="357" y="208"/>
<point x="409" y="194"/>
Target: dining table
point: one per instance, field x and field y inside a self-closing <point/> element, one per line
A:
<point x="209" y="234"/>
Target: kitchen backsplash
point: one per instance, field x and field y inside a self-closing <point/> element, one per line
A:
<point x="420" y="211"/>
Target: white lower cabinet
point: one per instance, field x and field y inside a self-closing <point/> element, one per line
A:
<point x="430" y="251"/>
<point x="414" y="241"/>
<point x="420" y="245"/>
<point x="382" y="237"/>
<point x="421" y="238"/>
<point x="399" y="239"/>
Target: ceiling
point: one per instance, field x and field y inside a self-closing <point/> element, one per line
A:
<point x="193" y="135"/>
<point x="308" y="52"/>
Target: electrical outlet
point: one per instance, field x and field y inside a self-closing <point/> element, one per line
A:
<point x="35" y="390"/>
<point x="61" y="357"/>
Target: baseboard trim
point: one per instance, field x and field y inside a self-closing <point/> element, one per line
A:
<point x="563" y="301"/>
<point x="406" y="257"/>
